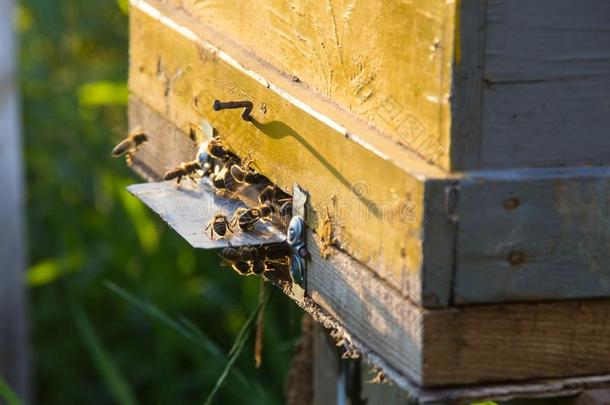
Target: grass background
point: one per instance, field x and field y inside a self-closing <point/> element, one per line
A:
<point x="122" y="309"/>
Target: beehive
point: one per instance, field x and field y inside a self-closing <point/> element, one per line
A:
<point x="459" y="149"/>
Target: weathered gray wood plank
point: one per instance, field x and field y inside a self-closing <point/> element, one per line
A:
<point x="547" y="123"/>
<point x="375" y="314"/>
<point x="516" y="342"/>
<point x="546" y="40"/>
<point x="467" y="100"/>
<point x="547" y="83"/>
<point x="438" y="243"/>
<point x="533" y="235"/>
<point x="13" y="333"/>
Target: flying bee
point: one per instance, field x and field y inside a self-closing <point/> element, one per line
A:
<point x="218" y="225"/>
<point x="246" y="218"/>
<point x="129" y="145"/>
<point x="186" y="169"/>
<point x="217" y="150"/>
<point x="244" y="173"/>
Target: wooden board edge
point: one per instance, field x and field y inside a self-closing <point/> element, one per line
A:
<point x="537" y="234"/>
<point x="467" y="89"/>
<point x="515" y="342"/>
<point x="552" y="388"/>
<point x="440" y="199"/>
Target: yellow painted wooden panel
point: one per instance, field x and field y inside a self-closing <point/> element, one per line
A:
<point x="387" y="61"/>
<point x="376" y="204"/>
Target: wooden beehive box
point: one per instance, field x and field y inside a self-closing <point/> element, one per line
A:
<point x="459" y="150"/>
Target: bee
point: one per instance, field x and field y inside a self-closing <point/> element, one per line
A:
<point x="219" y="177"/>
<point x="246" y="218"/>
<point x="286" y="208"/>
<point x="218" y="225"/>
<point x="276" y="251"/>
<point x="129" y="145"/>
<point x="277" y="257"/>
<point x="244" y="173"/>
<point x="326" y="235"/>
<point x="282" y="265"/>
<point x="238" y="258"/>
<point x="217" y="150"/>
<point x="274" y="196"/>
<point x="244" y="260"/>
<point x="186" y="169"/>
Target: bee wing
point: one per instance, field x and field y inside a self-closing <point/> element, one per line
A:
<point x="122" y="147"/>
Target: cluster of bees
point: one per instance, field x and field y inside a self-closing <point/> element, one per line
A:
<point x="247" y="260"/>
<point x="229" y="175"/>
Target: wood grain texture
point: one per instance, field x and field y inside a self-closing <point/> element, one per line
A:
<point x="516" y="342"/>
<point x="467" y="95"/>
<point x="377" y="315"/>
<point x="547" y="40"/>
<point x="438" y="243"/>
<point x="559" y="391"/>
<point x="533" y="235"/>
<point x="372" y="189"/>
<point x="396" y="76"/>
<point x="13" y="318"/>
<point x="547" y="93"/>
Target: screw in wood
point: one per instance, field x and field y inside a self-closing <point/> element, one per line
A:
<point x="511" y="203"/>
<point x="230" y="105"/>
<point x="516" y="258"/>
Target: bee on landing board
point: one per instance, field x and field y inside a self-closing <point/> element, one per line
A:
<point x="244" y="173"/>
<point x="186" y="169"/>
<point x="217" y="150"/>
<point x="275" y="197"/>
<point x="218" y="225"/>
<point x="129" y="146"/>
<point x="246" y="218"/>
<point x="219" y="177"/>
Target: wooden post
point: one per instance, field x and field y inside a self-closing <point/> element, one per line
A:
<point x="13" y="347"/>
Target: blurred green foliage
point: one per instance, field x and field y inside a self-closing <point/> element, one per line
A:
<point x="86" y="233"/>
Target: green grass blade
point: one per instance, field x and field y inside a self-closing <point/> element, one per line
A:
<point x="259" y="389"/>
<point x="238" y="346"/>
<point x="186" y="329"/>
<point x="110" y="373"/>
<point x="8" y="394"/>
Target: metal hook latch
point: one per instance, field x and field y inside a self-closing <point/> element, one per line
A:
<point x="229" y="105"/>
